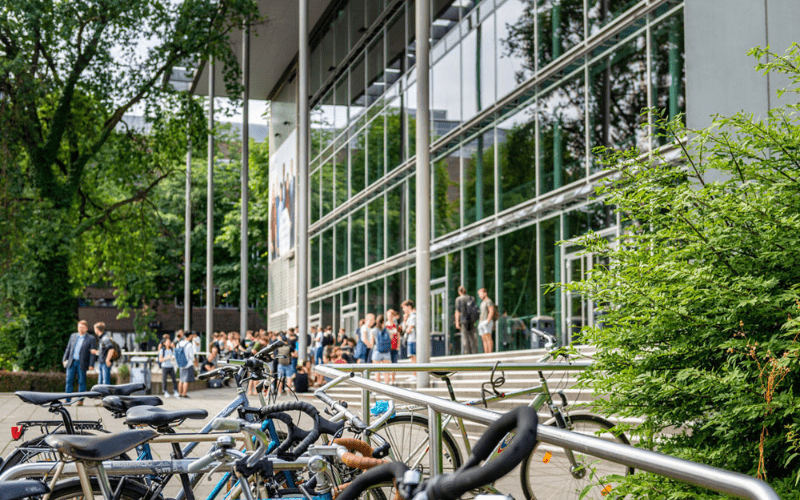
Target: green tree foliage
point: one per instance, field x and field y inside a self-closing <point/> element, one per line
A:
<point x="699" y="334"/>
<point x="75" y="175"/>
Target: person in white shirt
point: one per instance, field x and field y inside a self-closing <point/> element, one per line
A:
<point x="187" y="371"/>
<point x="166" y="356"/>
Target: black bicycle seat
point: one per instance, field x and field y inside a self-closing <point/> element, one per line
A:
<point x="16" y="490"/>
<point x="44" y="398"/>
<point x="159" y="417"/>
<point x="119" y="405"/>
<point x="118" y="390"/>
<point x="441" y="374"/>
<point x="99" y="448"/>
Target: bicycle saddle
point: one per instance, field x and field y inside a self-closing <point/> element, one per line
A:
<point x="159" y="417"/>
<point x="99" y="448"/>
<point x="118" y="390"/>
<point x="15" y="490"/>
<point x="119" y="405"/>
<point x="44" y="398"/>
<point x="441" y="374"/>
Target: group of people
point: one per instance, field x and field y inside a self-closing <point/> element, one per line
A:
<point x="468" y="313"/>
<point x="180" y="353"/>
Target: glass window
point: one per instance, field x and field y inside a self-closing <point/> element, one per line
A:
<point x="453" y="282"/>
<point x="375" y="230"/>
<point x="314" y="257"/>
<point x="375" y="150"/>
<point x="446" y="95"/>
<point x="375" y="67"/>
<point x="327" y="120"/>
<point x="559" y="26"/>
<point x="396" y="211"/>
<point x="342" y="38"/>
<point x="328" y="62"/>
<point x="446" y="197"/>
<point x="478" y="182"/>
<point x="396" y="291"/>
<point x="315" y="79"/>
<point x="358" y="162"/>
<point x="327" y="187"/>
<point x="357" y="240"/>
<point x="327" y="255"/>
<point x="562" y="141"/>
<point x="341" y="248"/>
<point x="340" y="112"/>
<point x="411" y="122"/>
<point x="375" y="297"/>
<point x="340" y="176"/>
<point x="550" y="268"/>
<point x="479" y="269"/>
<point x="395" y="46"/>
<point x="374" y="9"/>
<point x="516" y="138"/>
<point x="315" y="196"/>
<point x="602" y="12"/>
<point x="478" y="59"/>
<point x="412" y="211"/>
<point x="358" y="25"/>
<point x="617" y="96"/>
<point x="669" y="68"/>
<point x="395" y="137"/>
<point x="315" y="132"/>
<point x="517" y="297"/>
<point x="358" y="97"/>
<point x="515" y="45"/>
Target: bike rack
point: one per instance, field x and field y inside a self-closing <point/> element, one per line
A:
<point x="720" y="480"/>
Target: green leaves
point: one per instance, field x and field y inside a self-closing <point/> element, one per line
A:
<point x="700" y="297"/>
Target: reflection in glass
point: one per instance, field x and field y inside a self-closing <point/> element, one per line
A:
<point x="453" y="282"/>
<point x="478" y="177"/>
<point x="327" y="120"/>
<point x="669" y="68"/>
<point x="602" y="12"/>
<point x="395" y="138"/>
<point x="375" y="66"/>
<point x="517" y="298"/>
<point x="342" y="36"/>
<point x="358" y="162"/>
<point x="446" y="95"/>
<point x="446" y="175"/>
<point x="375" y="150"/>
<point x="516" y="138"/>
<point x="412" y="211"/>
<point x="341" y="248"/>
<point x="340" y="176"/>
<point x="617" y="96"/>
<point x="375" y="237"/>
<point x="515" y="45"/>
<point x="340" y="111"/>
<point x="375" y="297"/>
<point x="411" y="122"/>
<point x="327" y="256"/>
<point x="560" y="27"/>
<point x="550" y="268"/>
<point x="358" y="96"/>
<point x="479" y="269"/>
<point x="396" y="210"/>
<point x="314" y="258"/>
<point x="395" y="291"/>
<point x="562" y="141"/>
<point x="357" y="240"/>
<point x="327" y="187"/>
<point x="315" y="196"/>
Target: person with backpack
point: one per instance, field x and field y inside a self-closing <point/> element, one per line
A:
<point x="467" y="313"/>
<point x="185" y="359"/>
<point x="487" y="320"/>
<point x="109" y="351"/>
<point x="166" y="356"/>
<point x="286" y="370"/>
<point x="381" y="346"/>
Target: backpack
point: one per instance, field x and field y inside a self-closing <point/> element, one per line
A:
<point x="327" y="339"/>
<point x="287" y="352"/>
<point x="495" y="313"/>
<point x="473" y="313"/>
<point x="383" y="341"/>
<point x="117" y="351"/>
<point x="180" y="356"/>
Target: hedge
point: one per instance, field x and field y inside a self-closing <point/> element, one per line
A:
<point x="42" y="381"/>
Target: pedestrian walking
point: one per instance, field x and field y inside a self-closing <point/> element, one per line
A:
<point x="166" y="356"/>
<point x="185" y="359"/>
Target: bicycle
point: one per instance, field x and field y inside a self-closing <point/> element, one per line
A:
<point x="548" y="473"/>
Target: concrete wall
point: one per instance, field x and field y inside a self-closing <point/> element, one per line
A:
<point x="720" y="76"/>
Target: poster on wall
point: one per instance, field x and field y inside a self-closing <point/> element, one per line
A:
<point x="282" y="177"/>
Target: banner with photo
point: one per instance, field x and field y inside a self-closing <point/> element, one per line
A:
<point x="282" y="182"/>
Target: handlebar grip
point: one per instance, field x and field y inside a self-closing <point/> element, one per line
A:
<point x="200" y="464"/>
<point x="380" y="474"/>
<point x="210" y="374"/>
<point x="470" y="475"/>
<point x="226" y="424"/>
<point x="270" y="348"/>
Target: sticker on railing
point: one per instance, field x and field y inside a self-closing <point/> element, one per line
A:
<point x="547" y="457"/>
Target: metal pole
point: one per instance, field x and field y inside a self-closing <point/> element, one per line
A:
<point x="423" y="187"/>
<point x="302" y="186"/>
<point x="435" y="441"/>
<point x="210" y="211"/>
<point x="243" y="287"/>
<point x="187" y="249"/>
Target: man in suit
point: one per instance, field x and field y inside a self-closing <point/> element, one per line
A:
<point x="79" y="357"/>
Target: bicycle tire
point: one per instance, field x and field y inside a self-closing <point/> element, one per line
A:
<point x="405" y="434"/>
<point x="71" y="489"/>
<point x="546" y="473"/>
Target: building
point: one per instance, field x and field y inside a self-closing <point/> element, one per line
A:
<point x="521" y="93"/>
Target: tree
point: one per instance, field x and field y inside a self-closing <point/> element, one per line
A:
<point x="69" y="72"/>
<point x="699" y="300"/>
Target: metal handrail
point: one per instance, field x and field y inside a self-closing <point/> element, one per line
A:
<point x="720" y="480"/>
<point x="461" y="367"/>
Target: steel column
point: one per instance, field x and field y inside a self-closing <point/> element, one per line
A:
<point x="187" y="231"/>
<point x="423" y="188"/>
<point x="302" y="185"/>
<point x="210" y="211"/>
<point x="245" y="191"/>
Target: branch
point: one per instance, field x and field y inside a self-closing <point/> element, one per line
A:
<point x="106" y="215"/>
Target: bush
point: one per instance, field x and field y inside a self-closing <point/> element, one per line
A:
<point x="699" y="298"/>
<point x="41" y="381"/>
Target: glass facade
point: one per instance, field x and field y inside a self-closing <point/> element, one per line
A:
<point x="522" y="92"/>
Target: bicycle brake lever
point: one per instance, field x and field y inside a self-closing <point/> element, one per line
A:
<point x="564" y="401"/>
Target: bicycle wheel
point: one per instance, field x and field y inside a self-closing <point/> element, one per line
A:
<point x="71" y="489"/>
<point x="548" y="475"/>
<point x="408" y="437"/>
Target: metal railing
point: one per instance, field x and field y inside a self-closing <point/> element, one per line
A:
<point x="720" y="480"/>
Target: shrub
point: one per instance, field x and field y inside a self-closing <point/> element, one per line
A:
<point x="41" y="381"/>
